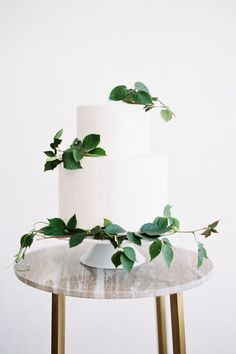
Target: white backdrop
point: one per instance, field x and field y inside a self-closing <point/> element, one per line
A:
<point x="56" y="54"/>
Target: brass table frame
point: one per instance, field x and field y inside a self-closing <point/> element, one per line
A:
<point x="177" y="322"/>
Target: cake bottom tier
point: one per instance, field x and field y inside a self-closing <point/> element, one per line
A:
<point x="128" y="190"/>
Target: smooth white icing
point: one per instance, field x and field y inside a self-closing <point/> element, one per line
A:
<point x="129" y="190"/>
<point x="124" y="128"/>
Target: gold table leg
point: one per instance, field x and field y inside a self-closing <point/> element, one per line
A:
<point x="177" y="321"/>
<point x="161" y="324"/>
<point x="58" y="324"/>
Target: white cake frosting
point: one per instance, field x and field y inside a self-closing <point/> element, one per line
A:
<point x="128" y="190"/>
<point x="124" y="128"/>
<point x="130" y="185"/>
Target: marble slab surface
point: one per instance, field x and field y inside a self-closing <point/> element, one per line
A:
<point x="58" y="270"/>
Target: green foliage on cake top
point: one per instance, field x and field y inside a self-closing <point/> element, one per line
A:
<point x="72" y="156"/>
<point x="140" y="95"/>
<point x="155" y="232"/>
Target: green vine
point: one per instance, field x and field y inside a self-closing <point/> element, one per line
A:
<point x="141" y="95"/>
<point x="71" y="157"/>
<point x="155" y="232"/>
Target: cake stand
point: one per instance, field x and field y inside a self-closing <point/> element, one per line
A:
<point x="100" y="253"/>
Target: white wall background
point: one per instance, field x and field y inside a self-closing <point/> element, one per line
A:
<point x="56" y="54"/>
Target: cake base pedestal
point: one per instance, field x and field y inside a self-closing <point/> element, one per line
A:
<point x="100" y="253"/>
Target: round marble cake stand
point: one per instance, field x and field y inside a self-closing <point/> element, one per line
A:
<point x="58" y="270"/>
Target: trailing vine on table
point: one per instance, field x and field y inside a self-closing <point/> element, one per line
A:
<point x="140" y="95"/>
<point x="72" y="156"/>
<point x="155" y="232"/>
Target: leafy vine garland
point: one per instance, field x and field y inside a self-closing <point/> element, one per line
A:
<point x="154" y="232"/>
<point x="72" y="156"/>
<point x="141" y="95"/>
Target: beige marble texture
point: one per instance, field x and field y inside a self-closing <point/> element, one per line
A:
<point x="58" y="270"/>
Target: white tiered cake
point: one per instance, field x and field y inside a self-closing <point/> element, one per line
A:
<point x="129" y="186"/>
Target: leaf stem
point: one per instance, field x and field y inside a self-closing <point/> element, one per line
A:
<point x="195" y="237"/>
<point x="183" y="232"/>
<point x="191" y="231"/>
<point x="163" y="104"/>
<point x="39" y="222"/>
<point x="44" y="237"/>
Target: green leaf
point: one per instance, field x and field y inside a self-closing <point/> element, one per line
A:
<point x="76" y="239"/>
<point x="155" y="249"/>
<point x="127" y="264"/>
<point x="174" y="223"/>
<point x="133" y="238"/>
<point x="90" y="142"/>
<point x="58" y="227"/>
<point x="118" y="93"/>
<point x="147" y="237"/>
<point x="130" y="253"/>
<point x="203" y="250"/>
<point x="139" y="86"/>
<point x="167" y="211"/>
<point x="71" y="164"/>
<point x="112" y="239"/>
<point x="214" y="224"/>
<point x="202" y="253"/>
<point x="116" y="259"/>
<point x="68" y="160"/>
<point x="106" y="222"/>
<point x="148" y="107"/>
<point x="162" y="222"/>
<point x="50" y="165"/>
<point x="26" y="240"/>
<point x="166" y="114"/>
<point x="113" y="229"/>
<point x="57" y="223"/>
<point x="120" y="239"/>
<point x="47" y="230"/>
<point x="100" y="236"/>
<point x="157" y="219"/>
<point x="76" y="143"/>
<point x="58" y="134"/>
<point x="214" y="231"/>
<point x="56" y="231"/>
<point x="76" y="230"/>
<point x="139" y="97"/>
<point x="55" y="144"/>
<point x="49" y="153"/>
<point x="166" y="242"/>
<point x="131" y="97"/>
<point x="144" y="98"/>
<point x="97" y="152"/>
<point x="77" y="154"/>
<point x="95" y="230"/>
<point x="167" y="253"/>
<point x="150" y="229"/>
<point x="206" y="233"/>
<point x="71" y="225"/>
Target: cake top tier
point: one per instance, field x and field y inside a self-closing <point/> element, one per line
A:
<point x="124" y="128"/>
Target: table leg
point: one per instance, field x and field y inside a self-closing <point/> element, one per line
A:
<point x="177" y="321"/>
<point x="58" y="324"/>
<point x="161" y="324"/>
